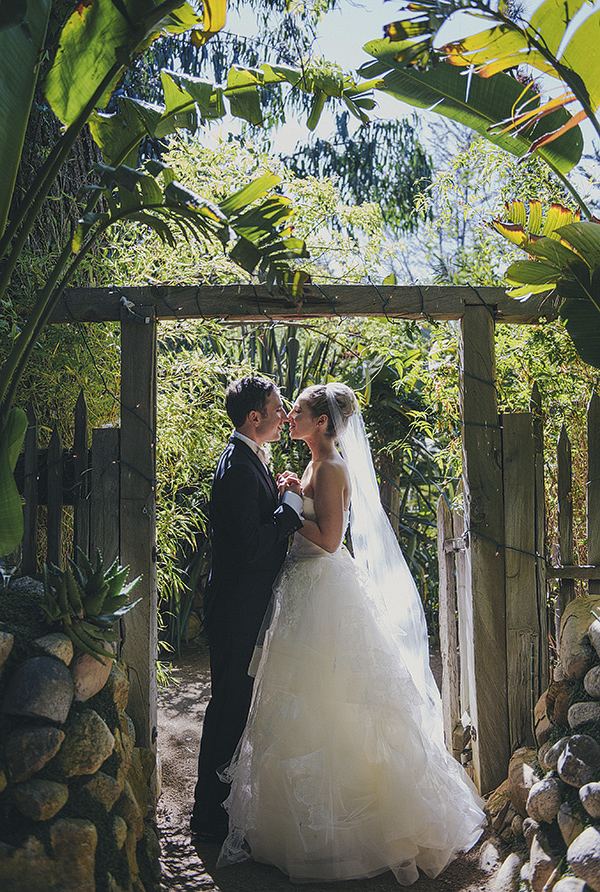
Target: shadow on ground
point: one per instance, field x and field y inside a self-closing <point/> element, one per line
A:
<point x="186" y="868"/>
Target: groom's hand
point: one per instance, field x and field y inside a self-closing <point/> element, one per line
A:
<point x="289" y="482"/>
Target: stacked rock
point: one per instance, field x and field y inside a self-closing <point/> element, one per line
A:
<point x="76" y="795"/>
<point x="562" y="808"/>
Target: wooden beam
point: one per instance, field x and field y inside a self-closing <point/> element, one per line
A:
<point x="572" y="572"/>
<point x="484" y="517"/>
<point x="104" y="496"/>
<point x="593" y="489"/>
<point x="248" y="303"/>
<point x="448" y="631"/>
<point x="522" y="621"/>
<point x="138" y="514"/>
<point x="30" y="492"/>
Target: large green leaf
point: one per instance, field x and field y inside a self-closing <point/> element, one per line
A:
<point x="98" y="42"/>
<point x="476" y="102"/>
<point x="582" y="321"/>
<point x="20" y="45"/>
<point x="11" y="511"/>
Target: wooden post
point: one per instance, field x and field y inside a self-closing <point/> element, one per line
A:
<point x="138" y="511"/>
<point x="81" y="501"/>
<point x="30" y="493"/>
<point x="55" y="498"/>
<point x="566" y="591"/>
<point x="593" y="490"/>
<point x="484" y="516"/>
<point x="535" y="406"/>
<point x="522" y="617"/>
<point x="105" y="494"/>
<point x="448" y="634"/>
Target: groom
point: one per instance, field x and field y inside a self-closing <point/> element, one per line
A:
<point x="249" y="535"/>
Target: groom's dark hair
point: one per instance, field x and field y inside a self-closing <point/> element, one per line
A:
<point x="247" y="395"/>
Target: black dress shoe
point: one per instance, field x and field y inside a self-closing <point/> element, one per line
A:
<point x="202" y="831"/>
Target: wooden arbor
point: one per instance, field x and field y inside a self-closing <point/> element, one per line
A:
<point x="484" y="583"/>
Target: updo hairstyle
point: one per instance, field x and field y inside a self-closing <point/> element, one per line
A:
<point x="318" y="398"/>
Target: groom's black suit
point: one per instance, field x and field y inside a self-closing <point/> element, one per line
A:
<point x="249" y="534"/>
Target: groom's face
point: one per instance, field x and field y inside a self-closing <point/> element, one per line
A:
<point x="270" y="424"/>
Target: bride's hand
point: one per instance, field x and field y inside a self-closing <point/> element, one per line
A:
<point x="288" y="481"/>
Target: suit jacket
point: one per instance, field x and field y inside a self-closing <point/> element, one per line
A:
<point x="249" y="536"/>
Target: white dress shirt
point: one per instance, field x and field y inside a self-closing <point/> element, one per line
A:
<point x="289" y="498"/>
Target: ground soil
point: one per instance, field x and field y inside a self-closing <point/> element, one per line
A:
<point x="186" y="868"/>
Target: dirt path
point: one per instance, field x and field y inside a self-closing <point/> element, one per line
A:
<point x="189" y="869"/>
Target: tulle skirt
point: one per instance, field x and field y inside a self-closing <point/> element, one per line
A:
<point x="338" y="775"/>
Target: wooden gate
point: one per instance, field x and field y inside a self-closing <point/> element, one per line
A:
<point x="108" y="477"/>
<point x="478" y="309"/>
<point x="496" y="658"/>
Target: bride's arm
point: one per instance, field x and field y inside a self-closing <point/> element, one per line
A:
<point x="329" y="485"/>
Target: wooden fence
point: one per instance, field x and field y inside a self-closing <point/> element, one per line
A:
<point x="536" y="591"/>
<point x="83" y="477"/>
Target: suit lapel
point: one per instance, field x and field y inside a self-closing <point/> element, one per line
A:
<point x="239" y="444"/>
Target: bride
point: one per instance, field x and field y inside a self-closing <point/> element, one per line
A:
<point x="341" y="772"/>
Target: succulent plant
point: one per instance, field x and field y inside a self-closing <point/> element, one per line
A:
<point x="88" y="601"/>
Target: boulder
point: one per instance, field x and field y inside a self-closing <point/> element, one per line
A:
<point x="88" y="744"/>
<point x="557" y="701"/>
<point x="543" y="861"/>
<point x="570" y="884"/>
<point x="57" y="644"/>
<point x="119" y="831"/>
<point x="489" y="856"/>
<point x="40" y="687"/>
<point x="104" y="788"/>
<point x="117" y="685"/>
<point x="89" y="675"/>
<point x="552" y="755"/>
<point x="542" y="724"/>
<point x="579" y="760"/>
<point x="590" y="798"/>
<point x="74" y="842"/>
<point x="569" y="823"/>
<point x="591" y="682"/>
<point x="508" y="877"/>
<point x="26" y="585"/>
<point x="27" y="868"/>
<point x="6" y="642"/>
<point x="583" y="856"/>
<point x="40" y="800"/>
<point x="575" y="648"/>
<point x="126" y="807"/>
<point x="544" y="800"/>
<point x="27" y="751"/>
<point x="522" y="775"/>
<point x="530" y="828"/>
<point x="583" y="714"/>
<point x="594" y="635"/>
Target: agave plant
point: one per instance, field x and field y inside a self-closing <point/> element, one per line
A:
<point x="563" y="261"/>
<point x="86" y="603"/>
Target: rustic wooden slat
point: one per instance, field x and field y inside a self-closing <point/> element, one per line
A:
<point x="30" y="494"/>
<point x="572" y="572"/>
<point x="448" y="633"/>
<point x="482" y="481"/>
<point x="566" y="591"/>
<point x="138" y="514"/>
<point x="104" y="495"/>
<point x="535" y="407"/>
<point x="465" y="614"/>
<point x="522" y="617"/>
<point x="55" y="498"/>
<point x="81" y="469"/>
<point x="247" y="302"/>
<point x="593" y="488"/>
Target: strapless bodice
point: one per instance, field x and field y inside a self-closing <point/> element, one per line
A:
<point x="302" y="547"/>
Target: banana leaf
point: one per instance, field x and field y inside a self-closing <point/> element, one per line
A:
<point x="11" y="511"/>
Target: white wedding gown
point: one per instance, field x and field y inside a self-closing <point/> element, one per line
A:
<point x="336" y="776"/>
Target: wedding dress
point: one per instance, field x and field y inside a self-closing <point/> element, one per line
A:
<point x="342" y="772"/>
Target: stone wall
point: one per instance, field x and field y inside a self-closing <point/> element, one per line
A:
<point x="77" y="797"/>
<point x="551" y="798"/>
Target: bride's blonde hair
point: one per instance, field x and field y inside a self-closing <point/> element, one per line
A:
<point x="320" y="397"/>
